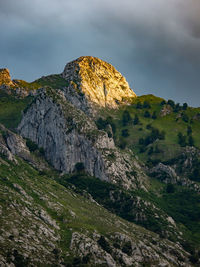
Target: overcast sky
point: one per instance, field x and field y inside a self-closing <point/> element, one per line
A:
<point x="155" y="44"/>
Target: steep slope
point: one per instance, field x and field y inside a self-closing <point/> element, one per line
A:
<point x="88" y="123"/>
<point x="44" y="224"/>
<point x="68" y="136"/>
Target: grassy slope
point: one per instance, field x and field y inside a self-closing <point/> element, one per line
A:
<point x="169" y="124"/>
<point x="10" y="114"/>
<point x="70" y="211"/>
<point x="182" y="205"/>
<point x="11" y="109"/>
<point x="54" y="80"/>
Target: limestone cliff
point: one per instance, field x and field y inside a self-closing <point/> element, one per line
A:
<point x="69" y="136"/>
<point x="97" y="82"/>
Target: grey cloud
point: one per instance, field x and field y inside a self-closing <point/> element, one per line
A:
<point x="155" y="43"/>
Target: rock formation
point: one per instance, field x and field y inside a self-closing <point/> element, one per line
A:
<point x="68" y="136"/>
<point x="5" y="78"/>
<point x="96" y="81"/>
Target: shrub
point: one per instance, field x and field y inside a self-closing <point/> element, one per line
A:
<point x="189" y="130"/>
<point x="138" y="105"/>
<point x="31" y="145"/>
<point x="101" y="123"/>
<point x="125" y="133"/>
<point x="147" y="114"/>
<point x="126" y="117"/>
<point x="150" y="152"/>
<point x="122" y="144"/>
<point x="79" y="167"/>
<point x="148" y="126"/>
<point x="170" y="188"/>
<point x="141" y="141"/>
<point x="185" y="117"/>
<point x="136" y="120"/>
<point x="127" y="248"/>
<point x="41" y="150"/>
<point x="104" y="244"/>
<point x="190" y="141"/>
<point x="181" y="139"/>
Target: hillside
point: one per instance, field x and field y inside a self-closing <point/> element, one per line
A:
<point x="93" y="174"/>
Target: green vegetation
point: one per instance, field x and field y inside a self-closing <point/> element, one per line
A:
<point x="55" y="81"/>
<point x="31" y="145"/>
<point x="11" y="109"/>
<point x="182" y="204"/>
<point x="156" y="130"/>
<point x="166" y="117"/>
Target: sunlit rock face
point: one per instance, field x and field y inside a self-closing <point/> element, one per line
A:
<point x="5" y="78"/>
<point x="97" y="81"/>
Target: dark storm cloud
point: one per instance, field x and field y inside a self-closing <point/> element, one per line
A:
<point x="154" y="43"/>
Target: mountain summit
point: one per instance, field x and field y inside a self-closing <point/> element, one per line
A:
<point x="5" y="78"/>
<point x="98" y="80"/>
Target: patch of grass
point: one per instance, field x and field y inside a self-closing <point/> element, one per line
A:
<point x="55" y="81"/>
<point x="11" y="109"/>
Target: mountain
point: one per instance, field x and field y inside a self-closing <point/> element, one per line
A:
<point x="93" y="175"/>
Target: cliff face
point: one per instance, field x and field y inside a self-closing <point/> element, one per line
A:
<point x="96" y="81"/>
<point x="69" y="136"/>
<point x="60" y="122"/>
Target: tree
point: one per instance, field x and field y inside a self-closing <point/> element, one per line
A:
<point x="126" y="117"/>
<point x="177" y="107"/>
<point x="189" y="130"/>
<point x="154" y="116"/>
<point x="122" y="144"/>
<point x="181" y="139"/>
<point x="185" y="117"/>
<point x="136" y="120"/>
<point x="163" y="102"/>
<point x="185" y="106"/>
<point x="125" y="133"/>
<point x="190" y="140"/>
<point x="171" y="103"/>
<point x="147" y="114"/>
<point x="146" y="104"/>
<point x="138" y="105"/>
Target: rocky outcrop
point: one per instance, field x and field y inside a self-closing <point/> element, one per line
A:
<point x="45" y="224"/>
<point x="13" y="148"/>
<point x="12" y="144"/>
<point x="95" y="82"/>
<point x="123" y="250"/>
<point x="5" y="78"/>
<point x="69" y="136"/>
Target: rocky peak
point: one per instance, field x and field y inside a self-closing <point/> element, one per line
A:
<point x="5" y="78"/>
<point x="98" y="81"/>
